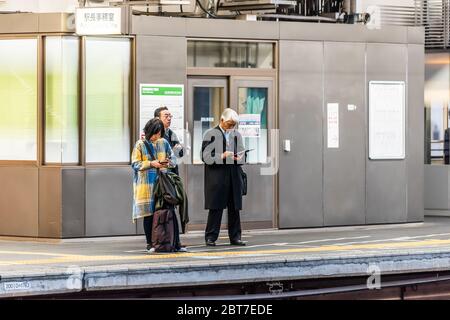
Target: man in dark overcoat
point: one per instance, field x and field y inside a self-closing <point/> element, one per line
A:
<point x="223" y="177"/>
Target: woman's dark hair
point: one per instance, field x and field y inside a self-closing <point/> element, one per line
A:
<point x="152" y="127"/>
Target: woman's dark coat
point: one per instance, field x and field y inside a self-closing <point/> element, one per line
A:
<point x="222" y="175"/>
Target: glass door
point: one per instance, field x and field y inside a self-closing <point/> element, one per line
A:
<point x="253" y="99"/>
<point x="207" y="98"/>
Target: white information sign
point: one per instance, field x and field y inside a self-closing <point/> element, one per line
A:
<point x="386" y="120"/>
<point x="94" y="21"/>
<point x="333" y="125"/>
<point x="250" y="125"/>
<point x="153" y="96"/>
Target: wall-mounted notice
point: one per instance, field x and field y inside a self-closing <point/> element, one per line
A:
<point x="153" y="96"/>
<point x="386" y="120"/>
<point x="250" y="125"/>
<point x="333" y="125"/>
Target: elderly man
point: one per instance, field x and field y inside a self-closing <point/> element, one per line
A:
<point x="165" y="116"/>
<point x="223" y="154"/>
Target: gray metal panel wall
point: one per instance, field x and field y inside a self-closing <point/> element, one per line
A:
<point x="158" y="26"/>
<point x="272" y="30"/>
<point x="344" y="167"/>
<point x="109" y="196"/>
<point x="195" y="192"/>
<point x="73" y="202"/>
<point x="415" y="130"/>
<point x="300" y="109"/>
<point x="258" y="204"/>
<point x="386" y="179"/>
<point x="50" y="223"/>
<point x="160" y="60"/>
<point x="341" y="32"/>
<point x="436" y="187"/>
<point x="232" y="29"/>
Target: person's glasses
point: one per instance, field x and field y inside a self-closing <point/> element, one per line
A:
<point x="167" y="116"/>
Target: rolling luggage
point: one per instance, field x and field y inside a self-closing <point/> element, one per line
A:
<point x="164" y="231"/>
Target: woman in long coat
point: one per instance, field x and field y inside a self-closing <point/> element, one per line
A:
<point x="145" y="172"/>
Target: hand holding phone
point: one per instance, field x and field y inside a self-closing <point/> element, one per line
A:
<point x="241" y="153"/>
<point x="164" y="162"/>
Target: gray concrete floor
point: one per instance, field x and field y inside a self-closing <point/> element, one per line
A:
<point x="31" y="254"/>
<point x="45" y="266"/>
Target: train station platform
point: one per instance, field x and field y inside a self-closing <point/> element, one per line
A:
<point x="37" y="267"/>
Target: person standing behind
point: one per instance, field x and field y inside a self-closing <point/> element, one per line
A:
<point x="223" y="177"/>
<point x="165" y="116"/>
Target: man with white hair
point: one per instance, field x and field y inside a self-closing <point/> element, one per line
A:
<point x="223" y="154"/>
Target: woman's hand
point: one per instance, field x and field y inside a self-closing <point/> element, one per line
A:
<point x="156" y="164"/>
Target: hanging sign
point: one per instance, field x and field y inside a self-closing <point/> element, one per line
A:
<point x="333" y="125"/>
<point x="386" y="120"/>
<point x="250" y="125"/>
<point x="99" y="21"/>
<point x="153" y="96"/>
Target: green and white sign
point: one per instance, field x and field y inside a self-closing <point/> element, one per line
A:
<point x="153" y="96"/>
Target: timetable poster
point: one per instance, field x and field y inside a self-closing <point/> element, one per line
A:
<point x="153" y="96"/>
<point x="386" y="120"/>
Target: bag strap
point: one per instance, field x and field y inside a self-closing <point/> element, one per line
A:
<point x="149" y="149"/>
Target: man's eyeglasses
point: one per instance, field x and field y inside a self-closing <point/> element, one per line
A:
<point x="166" y="116"/>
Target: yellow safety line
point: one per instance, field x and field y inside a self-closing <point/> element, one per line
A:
<point x="84" y="258"/>
<point x="34" y="253"/>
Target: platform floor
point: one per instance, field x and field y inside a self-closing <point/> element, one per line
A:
<point x="44" y="266"/>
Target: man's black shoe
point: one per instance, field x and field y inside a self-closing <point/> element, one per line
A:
<point x="238" y="243"/>
<point x="210" y="243"/>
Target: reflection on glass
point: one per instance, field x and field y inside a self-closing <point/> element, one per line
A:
<point x="18" y="99"/>
<point x="226" y="54"/>
<point x="437" y="84"/>
<point x="208" y="106"/>
<point x="61" y="100"/>
<point x="253" y="104"/>
<point x="107" y="100"/>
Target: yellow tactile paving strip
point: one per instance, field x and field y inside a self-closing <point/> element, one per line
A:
<point x="55" y="258"/>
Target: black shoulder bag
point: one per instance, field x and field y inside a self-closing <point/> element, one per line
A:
<point x="244" y="183"/>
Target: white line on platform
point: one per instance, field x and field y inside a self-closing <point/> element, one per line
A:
<point x="328" y="240"/>
<point x="406" y="238"/>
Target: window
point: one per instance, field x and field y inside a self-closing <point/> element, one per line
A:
<point x="226" y="54"/>
<point x="252" y="103"/>
<point x="437" y="84"/>
<point x="61" y="99"/>
<point x="108" y="100"/>
<point x="208" y="106"/>
<point x="18" y="99"/>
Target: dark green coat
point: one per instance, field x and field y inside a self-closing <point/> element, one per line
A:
<point x="181" y="196"/>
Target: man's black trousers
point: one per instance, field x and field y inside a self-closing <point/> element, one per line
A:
<point x="215" y="218"/>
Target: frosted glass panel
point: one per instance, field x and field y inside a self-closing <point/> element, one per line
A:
<point x="18" y="99"/>
<point x="61" y="100"/>
<point x="226" y="54"/>
<point x="107" y="100"/>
